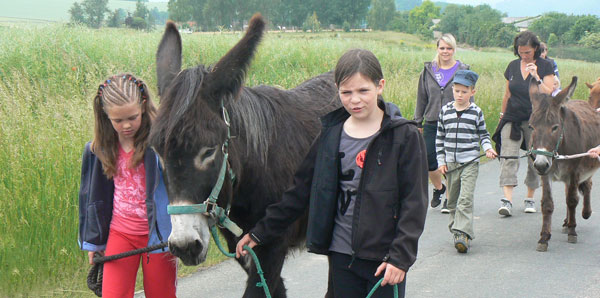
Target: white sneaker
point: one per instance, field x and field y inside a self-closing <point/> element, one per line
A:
<point x="529" y="206"/>
<point x="505" y="207"/>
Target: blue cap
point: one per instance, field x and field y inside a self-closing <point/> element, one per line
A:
<point x="465" y="77"/>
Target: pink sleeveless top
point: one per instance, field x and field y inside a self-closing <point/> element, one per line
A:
<point x="129" y="203"/>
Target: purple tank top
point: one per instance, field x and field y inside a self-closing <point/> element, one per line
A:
<point x="443" y="76"/>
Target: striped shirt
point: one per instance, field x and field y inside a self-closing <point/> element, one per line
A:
<point x="458" y="138"/>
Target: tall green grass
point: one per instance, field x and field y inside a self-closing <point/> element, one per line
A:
<point x="50" y="74"/>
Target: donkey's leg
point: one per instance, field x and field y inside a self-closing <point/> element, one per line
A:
<point x="547" y="210"/>
<point x="572" y="201"/>
<point x="271" y="259"/>
<point x="586" y="190"/>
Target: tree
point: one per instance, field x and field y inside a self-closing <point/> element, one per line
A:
<point x="187" y="10"/>
<point x="591" y="40"/>
<point x="477" y="26"/>
<point x="400" y="22"/>
<point x="160" y="17"/>
<point x="116" y="19"/>
<point x="419" y="18"/>
<point x="552" y="40"/>
<point x="77" y="14"/>
<point x="94" y="12"/>
<point x="141" y="10"/>
<point x="582" y="25"/>
<point x="312" y="23"/>
<point x="381" y="14"/>
<point x="450" y="20"/>
<point x="552" y="22"/>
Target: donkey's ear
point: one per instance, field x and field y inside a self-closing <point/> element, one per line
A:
<point x="534" y="93"/>
<point x="168" y="57"/>
<point x="227" y="76"/>
<point x="564" y="95"/>
<point x="589" y="85"/>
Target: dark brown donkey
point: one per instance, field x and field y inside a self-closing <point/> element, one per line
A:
<point x="562" y="127"/>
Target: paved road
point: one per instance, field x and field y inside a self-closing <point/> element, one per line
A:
<point x="502" y="261"/>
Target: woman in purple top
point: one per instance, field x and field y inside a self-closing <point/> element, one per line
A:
<point x="435" y="78"/>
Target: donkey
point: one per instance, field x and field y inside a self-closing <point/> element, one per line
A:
<point x="205" y="115"/>
<point x="567" y="127"/>
<point x="594" y="98"/>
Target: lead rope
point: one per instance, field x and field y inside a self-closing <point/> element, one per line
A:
<point x="94" y="278"/>
<point x="263" y="281"/>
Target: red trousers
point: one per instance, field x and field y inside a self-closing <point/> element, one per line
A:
<point x="160" y="269"/>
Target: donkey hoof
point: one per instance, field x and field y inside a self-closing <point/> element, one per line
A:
<point x="586" y="215"/>
<point x="565" y="230"/>
<point x="572" y="239"/>
<point x="542" y="247"/>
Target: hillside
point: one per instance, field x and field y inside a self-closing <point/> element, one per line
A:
<point x="515" y="8"/>
<point x="57" y="10"/>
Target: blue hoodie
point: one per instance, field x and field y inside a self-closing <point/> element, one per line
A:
<point x="96" y="195"/>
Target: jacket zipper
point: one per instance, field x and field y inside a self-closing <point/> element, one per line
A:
<point x="359" y="191"/>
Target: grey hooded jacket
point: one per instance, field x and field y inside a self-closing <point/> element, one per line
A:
<point x="431" y="97"/>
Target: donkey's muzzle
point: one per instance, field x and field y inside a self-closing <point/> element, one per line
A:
<point x="190" y="253"/>
<point x="542" y="165"/>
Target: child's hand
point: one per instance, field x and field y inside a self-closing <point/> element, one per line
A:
<point x="239" y="248"/>
<point x="594" y="152"/>
<point x="91" y="256"/>
<point x="393" y="275"/>
<point x="491" y="154"/>
<point x="443" y="169"/>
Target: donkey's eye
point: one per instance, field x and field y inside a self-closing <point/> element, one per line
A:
<point x="531" y="127"/>
<point x="208" y="153"/>
<point x="554" y="128"/>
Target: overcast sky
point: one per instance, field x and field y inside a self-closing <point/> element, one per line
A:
<point x="474" y="2"/>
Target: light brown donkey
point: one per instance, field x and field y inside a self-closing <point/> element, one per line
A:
<point x="594" y="99"/>
<point x="563" y="127"/>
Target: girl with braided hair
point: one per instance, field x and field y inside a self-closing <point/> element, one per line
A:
<point x="122" y="197"/>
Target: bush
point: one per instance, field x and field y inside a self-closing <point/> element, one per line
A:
<point x="590" y="40"/>
<point x="139" y="23"/>
<point x="312" y="23"/>
<point x="552" y="40"/>
<point x="577" y="53"/>
<point x="346" y="26"/>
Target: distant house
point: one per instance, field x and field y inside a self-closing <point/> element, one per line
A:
<point x="522" y="23"/>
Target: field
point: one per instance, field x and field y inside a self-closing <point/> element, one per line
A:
<point x="58" y="10"/>
<point x="50" y="74"/>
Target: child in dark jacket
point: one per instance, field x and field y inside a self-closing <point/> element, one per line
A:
<point x="364" y="183"/>
<point x="122" y="197"/>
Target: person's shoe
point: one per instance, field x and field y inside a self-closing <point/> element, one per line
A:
<point x="437" y="196"/>
<point x="461" y="242"/>
<point x="529" y="206"/>
<point x="505" y="207"/>
<point x="445" y="209"/>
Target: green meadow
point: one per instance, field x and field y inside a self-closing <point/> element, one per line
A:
<point x="50" y="75"/>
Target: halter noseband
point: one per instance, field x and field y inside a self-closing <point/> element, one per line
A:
<point x="553" y="154"/>
<point x="210" y="207"/>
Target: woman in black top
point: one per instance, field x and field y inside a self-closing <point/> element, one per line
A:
<point x="516" y="109"/>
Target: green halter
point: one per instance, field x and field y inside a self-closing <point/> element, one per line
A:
<point x="210" y="207"/>
<point x="554" y="153"/>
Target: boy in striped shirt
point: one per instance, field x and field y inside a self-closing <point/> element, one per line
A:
<point x="461" y="130"/>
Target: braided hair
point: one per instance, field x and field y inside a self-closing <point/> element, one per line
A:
<point x="120" y="90"/>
